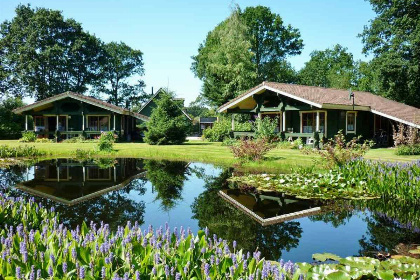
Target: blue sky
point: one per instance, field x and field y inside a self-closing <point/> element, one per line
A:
<point x="169" y="32"/>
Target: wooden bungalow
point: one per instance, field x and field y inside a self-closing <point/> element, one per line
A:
<point x="71" y="114"/>
<point x="147" y="108"/>
<point x="313" y="113"/>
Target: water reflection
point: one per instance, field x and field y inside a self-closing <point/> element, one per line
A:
<point x="150" y="191"/>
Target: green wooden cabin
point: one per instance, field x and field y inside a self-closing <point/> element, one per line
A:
<point x="313" y="113"/>
<point x="70" y="114"/>
<point x="150" y="105"/>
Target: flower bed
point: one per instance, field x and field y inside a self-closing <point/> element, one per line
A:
<point x="34" y="245"/>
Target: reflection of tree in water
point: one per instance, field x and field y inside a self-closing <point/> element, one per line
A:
<point x="229" y="223"/>
<point x="391" y="223"/>
<point x="337" y="214"/>
<point x="10" y="176"/>
<point x="167" y="179"/>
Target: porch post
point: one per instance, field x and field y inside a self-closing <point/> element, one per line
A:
<point x="83" y="122"/>
<point x="233" y="122"/>
<point x="26" y="122"/>
<point x="317" y="121"/>
<point x="114" y="122"/>
<point x="284" y="121"/>
<point x="56" y="125"/>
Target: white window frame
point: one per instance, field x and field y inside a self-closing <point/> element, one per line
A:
<point x="355" y="122"/>
<point x="317" y="116"/>
<point x="87" y="121"/>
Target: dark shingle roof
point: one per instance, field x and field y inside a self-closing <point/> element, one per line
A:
<point x="322" y="97"/>
<point x="83" y="98"/>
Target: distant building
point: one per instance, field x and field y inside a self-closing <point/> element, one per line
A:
<point x="206" y="122"/>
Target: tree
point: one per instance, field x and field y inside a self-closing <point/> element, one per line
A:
<point x="118" y="64"/>
<point x="271" y="42"/>
<point x="329" y="68"/>
<point x="224" y="61"/>
<point x="42" y="54"/>
<point x="199" y="108"/>
<point x="393" y="37"/>
<point x="11" y="124"/>
<point x="167" y="124"/>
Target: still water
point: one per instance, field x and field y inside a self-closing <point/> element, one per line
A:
<point x="197" y="195"/>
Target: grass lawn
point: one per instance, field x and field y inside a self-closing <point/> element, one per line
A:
<point x="280" y="160"/>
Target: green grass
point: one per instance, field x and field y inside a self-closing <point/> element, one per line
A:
<point x="279" y="160"/>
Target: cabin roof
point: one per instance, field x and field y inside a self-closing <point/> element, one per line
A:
<point x="330" y="98"/>
<point x="83" y="98"/>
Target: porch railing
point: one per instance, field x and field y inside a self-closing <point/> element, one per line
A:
<point x="315" y="137"/>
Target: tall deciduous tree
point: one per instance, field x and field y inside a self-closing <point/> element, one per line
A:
<point x="11" y="124"/>
<point x="118" y="65"/>
<point x="42" y="54"/>
<point x="271" y="42"/>
<point x="393" y="37"/>
<point x="224" y="61"/>
<point x="329" y="68"/>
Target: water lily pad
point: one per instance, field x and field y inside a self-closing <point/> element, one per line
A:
<point x="325" y="256"/>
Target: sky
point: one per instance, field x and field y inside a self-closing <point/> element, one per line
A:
<point x="168" y="32"/>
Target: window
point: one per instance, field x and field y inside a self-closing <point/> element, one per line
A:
<point x="351" y="122"/>
<point x="96" y="173"/>
<point x="98" y="123"/>
<point x="62" y="123"/>
<point x="309" y="122"/>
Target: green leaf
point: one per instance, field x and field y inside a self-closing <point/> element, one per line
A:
<point x="338" y="275"/>
<point x="325" y="256"/>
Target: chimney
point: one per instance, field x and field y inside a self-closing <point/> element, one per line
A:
<point x="152" y="90"/>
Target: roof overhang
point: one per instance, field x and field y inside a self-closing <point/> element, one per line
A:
<point x="60" y="97"/>
<point x="261" y="89"/>
<point x="395" y="119"/>
<point x="345" y="107"/>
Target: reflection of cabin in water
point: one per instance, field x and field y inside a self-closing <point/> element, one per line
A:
<point x="270" y="208"/>
<point x="70" y="182"/>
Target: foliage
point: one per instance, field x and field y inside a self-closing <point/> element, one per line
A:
<point x="54" y="251"/>
<point x="106" y="141"/>
<point x="330" y="185"/>
<point x="82" y="154"/>
<point x="167" y="178"/>
<point x="28" y="136"/>
<point x="329" y="68"/>
<point x="221" y="130"/>
<point x="118" y="64"/>
<point x="408" y="150"/>
<point x="20" y="151"/>
<point x="338" y="151"/>
<point x="388" y="179"/>
<point x="199" y="108"/>
<point x="45" y="54"/>
<point x="168" y="124"/>
<point x="361" y="268"/>
<point x="405" y="135"/>
<point x="229" y="142"/>
<point x="251" y="150"/>
<point x="11" y="124"/>
<point x="43" y="140"/>
<point x="78" y="139"/>
<point x="265" y="128"/>
<point x="393" y="39"/>
<point x="224" y="61"/>
<point x="272" y="42"/>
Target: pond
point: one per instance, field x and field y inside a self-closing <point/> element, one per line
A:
<point x="197" y="195"/>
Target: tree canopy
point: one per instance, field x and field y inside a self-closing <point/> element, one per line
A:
<point x="43" y="54"/>
<point x="118" y="63"/>
<point x="243" y="50"/>
<point x="11" y="124"/>
<point x="393" y="37"/>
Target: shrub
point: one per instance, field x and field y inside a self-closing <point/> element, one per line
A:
<point x="408" y="150"/>
<point x="81" y="154"/>
<point x="247" y="150"/>
<point x="297" y="143"/>
<point x="28" y="136"/>
<point x="220" y="130"/>
<point x="78" y="139"/>
<point x="338" y="151"/>
<point x="43" y="140"/>
<point x="19" y="151"/>
<point x="405" y="135"/>
<point x="265" y="127"/>
<point x="106" y="141"/>
<point x="168" y="124"/>
<point x="229" y="142"/>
